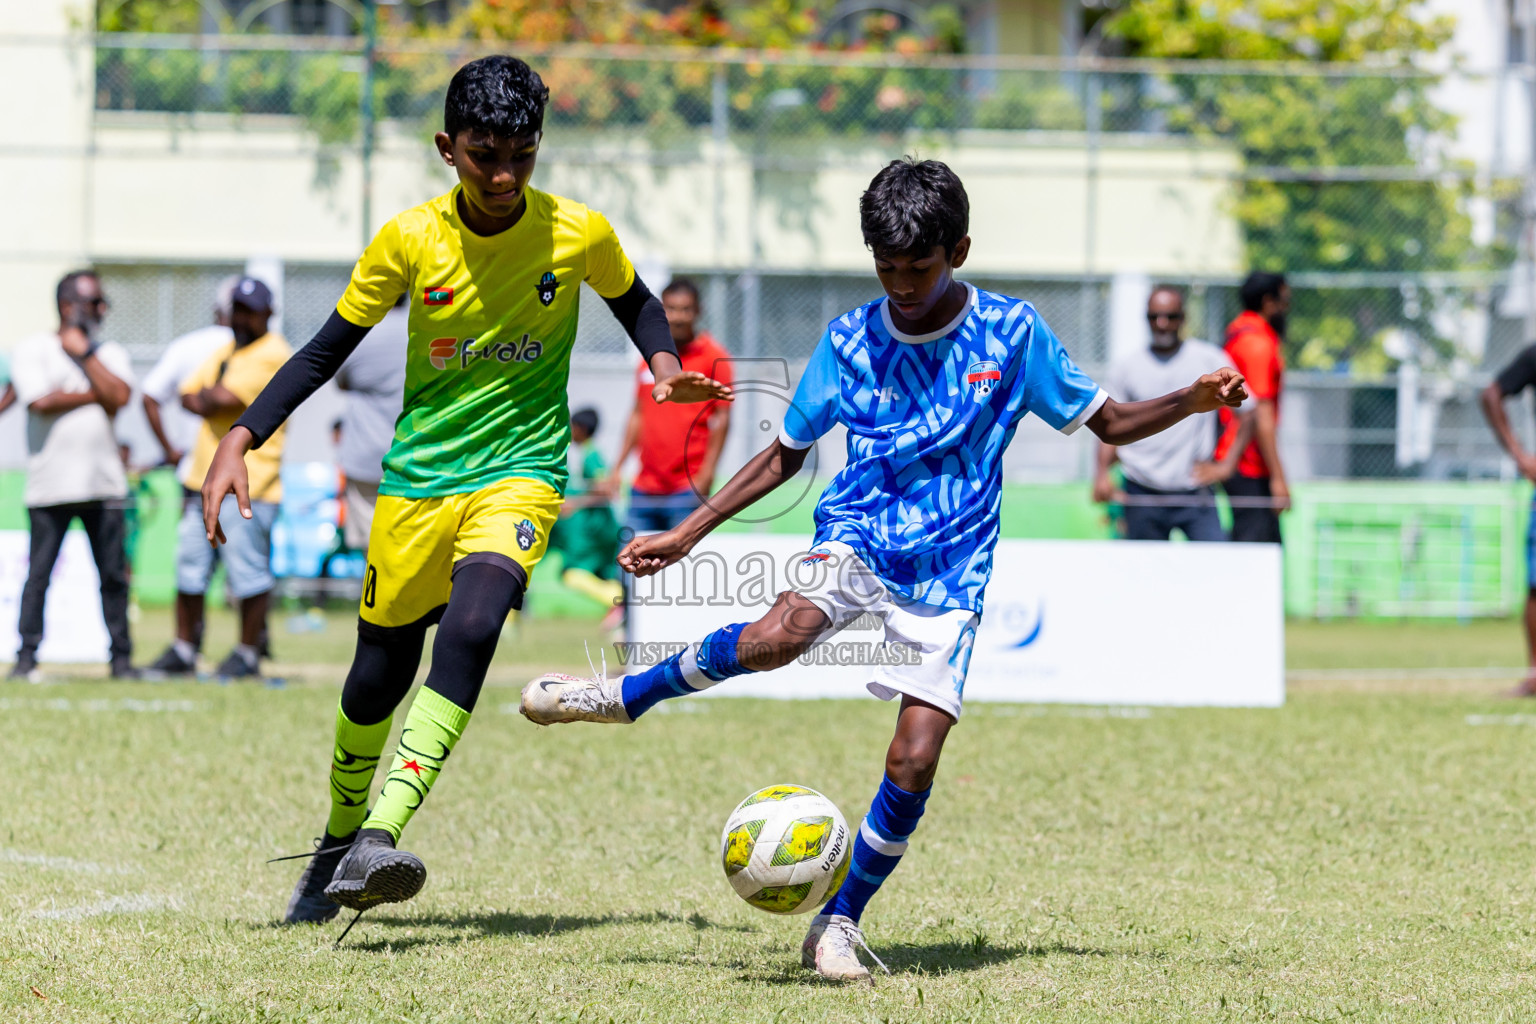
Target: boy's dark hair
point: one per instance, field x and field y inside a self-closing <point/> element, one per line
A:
<point x="586" y="419"/>
<point x="913" y="205"/>
<point x="1258" y="286"/>
<point x="66" y="291"/>
<point x="683" y="284"/>
<point x="499" y="95"/>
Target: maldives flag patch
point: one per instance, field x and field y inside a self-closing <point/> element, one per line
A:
<point x="437" y="297"/>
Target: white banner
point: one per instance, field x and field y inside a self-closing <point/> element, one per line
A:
<point x="1080" y="622"/>
<point x="73" y="629"/>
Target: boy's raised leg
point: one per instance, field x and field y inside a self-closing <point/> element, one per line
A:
<point x="774" y="640"/>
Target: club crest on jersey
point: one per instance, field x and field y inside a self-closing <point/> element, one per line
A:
<point x="525" y="534"/>
<point x="546" y="287"/>
<point x="443" y="351"/>
<point x="983" y="376"/>
<point x="438" y="297"/>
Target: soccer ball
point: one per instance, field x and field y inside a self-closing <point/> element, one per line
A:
<point x="785" y="849"/>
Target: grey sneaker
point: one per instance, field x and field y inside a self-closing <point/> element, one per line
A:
<point x="171" y="663"/>
<point x="26" y="667"/>
<point x="374" y="872"/>
<point x="309" y="904"/>
<point x="237" y="666"/>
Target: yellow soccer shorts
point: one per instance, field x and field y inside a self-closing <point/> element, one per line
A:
<point x="416" y="544"/>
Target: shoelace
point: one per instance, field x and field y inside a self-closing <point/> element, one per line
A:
<point x="851" y="934"/>
<point x="317" y="851"/>
<point x="594" y="699"/>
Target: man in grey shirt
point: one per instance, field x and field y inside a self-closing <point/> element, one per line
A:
<point x="1167" y="475"/>
<point x="373" y="378"/>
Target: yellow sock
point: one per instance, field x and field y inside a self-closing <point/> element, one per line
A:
<point x="606" y="592"/>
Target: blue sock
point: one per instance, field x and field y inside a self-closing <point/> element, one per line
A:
<point x="698" y="667"/>
<point x="877" y="849"/>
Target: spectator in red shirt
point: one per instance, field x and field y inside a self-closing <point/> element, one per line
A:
<point x="1253" y="346"/>
<point x="679" y="446"/>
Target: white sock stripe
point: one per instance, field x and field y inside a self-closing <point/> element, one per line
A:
<point x="692" y="674"/>
<point x="879" y="843"/>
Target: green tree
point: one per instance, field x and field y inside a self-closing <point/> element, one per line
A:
<point x="1294" y="127"/>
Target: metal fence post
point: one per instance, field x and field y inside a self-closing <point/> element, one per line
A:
<point x="370" y="47"/>
<point x="1087" y="291"/>
<point x="1528" y="31"/>
<point x="719" y="131"/>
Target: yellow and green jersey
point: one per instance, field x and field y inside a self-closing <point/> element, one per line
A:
<point x="492" y="323"/>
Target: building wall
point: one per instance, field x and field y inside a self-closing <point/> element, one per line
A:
<point x="44" y="178"/>
<point x="160" y="188"/>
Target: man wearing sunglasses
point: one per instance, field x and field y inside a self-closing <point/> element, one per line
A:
<point x="1167" y="475"/>
<point x="72" y="384"/>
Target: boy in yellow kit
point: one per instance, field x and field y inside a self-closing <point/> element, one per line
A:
<point x="473" y="481"/>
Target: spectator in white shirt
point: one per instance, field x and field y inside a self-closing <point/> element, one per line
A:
<point x="1167" y="475"/>
<point x="72" y="385"/>
<point x="176" y="428"/>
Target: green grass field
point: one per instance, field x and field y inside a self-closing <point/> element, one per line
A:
<point x="1362" y="854"/>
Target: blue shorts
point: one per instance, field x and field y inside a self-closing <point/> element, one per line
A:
<point x="247" y="556"/>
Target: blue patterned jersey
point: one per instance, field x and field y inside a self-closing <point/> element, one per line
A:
<point x="928" y="419"/>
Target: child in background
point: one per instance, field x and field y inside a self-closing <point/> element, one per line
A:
<point x="587" y="533"/>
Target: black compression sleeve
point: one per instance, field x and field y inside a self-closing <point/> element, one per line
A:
<point x="640" y="314"/>
<point x="310" y="367"/>
<point x="1520" y="374"/>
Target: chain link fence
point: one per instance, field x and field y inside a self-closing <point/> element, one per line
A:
<point x="1397" y="200"/>
<point x="1400" y="243"/>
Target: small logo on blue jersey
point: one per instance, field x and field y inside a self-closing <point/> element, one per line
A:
<point x="815" y="556"/>
<point x="525" y="535"/>
<point x="983" y="376"/>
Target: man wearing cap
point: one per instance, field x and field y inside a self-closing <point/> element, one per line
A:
<point x="219" y="391"/>
<point x="72" y="384"/>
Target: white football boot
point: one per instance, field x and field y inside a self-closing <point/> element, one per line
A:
<point x="831" y="949"/>
<point x="556" y="697"/>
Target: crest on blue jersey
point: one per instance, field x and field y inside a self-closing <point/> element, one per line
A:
<point x="546" y="287"/>
<point x="983" y="376"/>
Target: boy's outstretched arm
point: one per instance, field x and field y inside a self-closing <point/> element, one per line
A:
<point x="645" y="321"/>
<point x="300" y="377"/>
<point x="1120" y="423"/>
<point x="648" y="555"/>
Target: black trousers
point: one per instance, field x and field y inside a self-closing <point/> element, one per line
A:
<point x="105" y="527"/>
<point x="1157" y="519"/>
<point x="1252" y="525"/>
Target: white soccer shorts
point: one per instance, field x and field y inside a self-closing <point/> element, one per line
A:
<point x="927" y="650"/>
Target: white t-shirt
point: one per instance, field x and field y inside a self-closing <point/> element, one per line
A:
<point x="163" y="383"/>
<point x="1166" y="461"/>
<point x="71" y="456"/>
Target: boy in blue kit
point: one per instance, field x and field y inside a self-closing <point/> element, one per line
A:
<point x="931" y="382"/>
